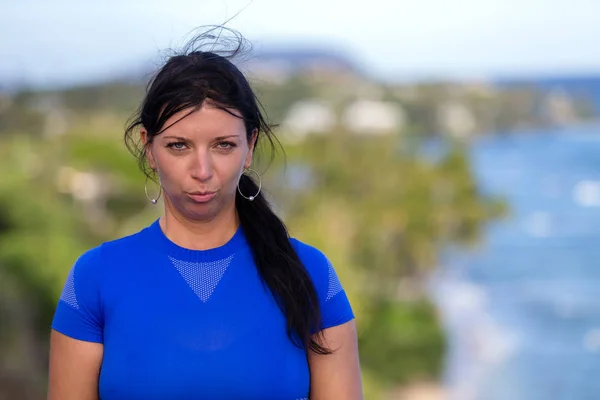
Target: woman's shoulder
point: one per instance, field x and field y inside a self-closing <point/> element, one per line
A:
<point x="309" y="253"/>
<point x="109" y="250"/>
<point x="316" y="262"/>
<point x="336" y="308"/>
<point x="128" y="242"/>
<point x="79" y="312"/>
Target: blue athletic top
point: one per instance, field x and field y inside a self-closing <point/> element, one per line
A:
<point x="190" y="324"/>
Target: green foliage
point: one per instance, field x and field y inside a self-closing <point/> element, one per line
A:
<point x="412" y="340"/>
<point x="40" y="238"/>
<point x="20" y="119"/>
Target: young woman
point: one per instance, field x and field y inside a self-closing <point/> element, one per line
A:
<point x="213" y="300"/>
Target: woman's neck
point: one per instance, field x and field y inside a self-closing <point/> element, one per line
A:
<point x="199" y="235"/>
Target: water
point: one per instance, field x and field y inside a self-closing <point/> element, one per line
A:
<point x="523" y="312"/>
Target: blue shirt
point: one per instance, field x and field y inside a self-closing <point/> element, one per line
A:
<point x="190" y="324"/>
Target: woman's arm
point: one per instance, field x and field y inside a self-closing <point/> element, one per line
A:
<point x="337" y="376"/>
<point x="74" y="368"/>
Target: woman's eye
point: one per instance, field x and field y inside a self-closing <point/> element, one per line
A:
<point x="226" y="145"/>
<point x="177" y="145"/>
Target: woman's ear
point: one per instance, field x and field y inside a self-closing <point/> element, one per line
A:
<point x="147" y="148"/>
<point x="251" y="144"/>
<point x="253" y="139"/>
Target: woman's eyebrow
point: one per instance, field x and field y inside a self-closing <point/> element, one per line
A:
<point x="175" y="137"/>
<point x="227" y="137"/>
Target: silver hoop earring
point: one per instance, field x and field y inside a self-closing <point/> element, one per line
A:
<point x="251" y="198"/>
<point x="155" y="200"/>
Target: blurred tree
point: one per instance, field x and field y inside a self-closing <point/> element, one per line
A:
<point x="39" y="238"/>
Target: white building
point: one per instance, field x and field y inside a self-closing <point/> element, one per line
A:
<point x="456" y="119"/>
<point x="374" y="117"/>
<point x="309" y="116"/>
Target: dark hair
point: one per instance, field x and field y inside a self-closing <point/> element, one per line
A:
<point x="185" y="82"/>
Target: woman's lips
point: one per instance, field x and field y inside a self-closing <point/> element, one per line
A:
<point x="201" y="197"/>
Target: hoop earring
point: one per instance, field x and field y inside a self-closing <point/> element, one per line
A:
<point x="251" y="198"/>
<point x="155" y="200"/>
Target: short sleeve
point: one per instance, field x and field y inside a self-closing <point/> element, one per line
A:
<point x="335" y="306"/>
<point x="78" y="313"/>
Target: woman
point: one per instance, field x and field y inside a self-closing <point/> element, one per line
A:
<point x="213" y="300"/>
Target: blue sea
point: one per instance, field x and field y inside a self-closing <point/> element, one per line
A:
<point x="522" y="311"/>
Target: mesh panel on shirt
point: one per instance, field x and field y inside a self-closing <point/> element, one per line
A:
<point x="335" y="286"/>
<point x="202" y="277"/>
<point x="68" y="293"/>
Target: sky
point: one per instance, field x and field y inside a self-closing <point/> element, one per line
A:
<point x="49" y="42"/>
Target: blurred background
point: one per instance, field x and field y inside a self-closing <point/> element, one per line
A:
<point x="443" y="154"/>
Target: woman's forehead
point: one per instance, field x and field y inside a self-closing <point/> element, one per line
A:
<point x="205" y="121"/>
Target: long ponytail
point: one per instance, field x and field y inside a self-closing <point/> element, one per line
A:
<point x="280" y="267"/>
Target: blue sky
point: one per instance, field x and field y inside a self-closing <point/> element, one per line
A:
<point x="67" y="40"/>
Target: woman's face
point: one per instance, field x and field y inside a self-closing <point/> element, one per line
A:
<point x="199" y="161"/>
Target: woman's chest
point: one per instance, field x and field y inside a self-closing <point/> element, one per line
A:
<point x="170" y="338"/>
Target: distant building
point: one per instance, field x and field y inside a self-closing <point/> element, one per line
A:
<point x="309" y="116"/>
<point x="456" y="119"/>
<point x="558" y="107"/>
<point x="83" y="186"/>
<point x="373" y="117"/>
